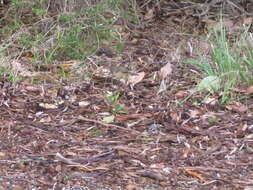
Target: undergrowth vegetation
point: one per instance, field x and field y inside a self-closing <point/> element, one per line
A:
<point x="43" y="33"/>
<point x="230" y="65"/>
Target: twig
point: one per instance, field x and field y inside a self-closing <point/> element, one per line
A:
<point x="65" y="160"/>
<point x="204" y="168"/>
<point x="81" y="118"/>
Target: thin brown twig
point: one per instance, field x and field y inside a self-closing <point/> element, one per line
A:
<point x="81" y="118"/>
<point x="204" y="168"/>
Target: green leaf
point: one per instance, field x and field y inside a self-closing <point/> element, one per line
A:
<point x="119" y="108"/>
<point x="108" y="119"/>
<point x="210" y="83"/>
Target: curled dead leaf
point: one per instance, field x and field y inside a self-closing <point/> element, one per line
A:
<point x="133" y="80"/>
<point x="163" y="87"/>
<point x="165" y="71"/>
<point x="149" y="15"/>
<point x="180" y="94"/>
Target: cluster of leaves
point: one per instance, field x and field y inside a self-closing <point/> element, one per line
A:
<point x="117" y="108"/>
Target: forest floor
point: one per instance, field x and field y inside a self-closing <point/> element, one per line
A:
<point x="106" y="133"/>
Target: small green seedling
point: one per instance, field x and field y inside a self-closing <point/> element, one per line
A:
<point x="117" y="108"/>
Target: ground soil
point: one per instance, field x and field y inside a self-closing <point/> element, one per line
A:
<point x="52" y="135"/>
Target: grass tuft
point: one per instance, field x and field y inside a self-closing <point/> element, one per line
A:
<point x="231" y="63"/>
<point x="74" y="32"/>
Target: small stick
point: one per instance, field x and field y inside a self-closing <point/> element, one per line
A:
<point x="65" y="160"/>
<point x="81" y="118"/>
<point x="204" y="168"/>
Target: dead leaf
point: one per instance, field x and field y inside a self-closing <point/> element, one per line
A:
<point x="175" y="117"/>
<point x="21" y="69"/>
<point x="186" y="152"/>
<point x="122" y="153"/>
<point x="157" y="166"/>
<point x="45" y="120"/>
<point x="33" y="88"/>
<point x="181" y="94"/>
<point x="165" y="71"/>
<point x="204" y="47"/>
<point x="248" y="188"/>
<point x="2" y="154"/>
<point x="83" y="104"/>
<point x="162" y="87"/>
<point x="17" y="187"/>
<point x="194" y="113"/>
<point x="247" y="20"/>
<point x="216" y="25"/>
<point x="249" y="90"/>
<point x="48" y="106"/>
<point x="195" y="174"/>
<point x="132" y="187"/>
<point x="133" y="80"/>
<point x="237" y="107"/>
<point x="58" y="168"/>
<point x="210" y="101"/>
<point x="149" y="15"/>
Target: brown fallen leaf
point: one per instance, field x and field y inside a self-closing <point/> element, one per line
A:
<point x="163" y="87"/>
<point x="248" y="188"/>
<point x="165" y="71"/>
<point x="195" y="174"/>
<point x="249" y="90"/>
<point x="58" y="168"/>
<point x="247" y="20"/>
<point x="149" y="15"/>
<point x="2" y="154"/>
<point x="180" y="94"/>
<point x="133" y="80"/>
<point x="134" y="116"/>
<point x="157" y="166"/>
<point x="48" y="106"/>
<point x="132" y="187"/>
<point x="237" y="107"/>
<point x="83" y="104"/>
<point x="175" y="117"/>
<point x="17" y="187"/>
<point x="33" y="88"/>
<point x="228" y="24"/>
<point x="195" y="113"/>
